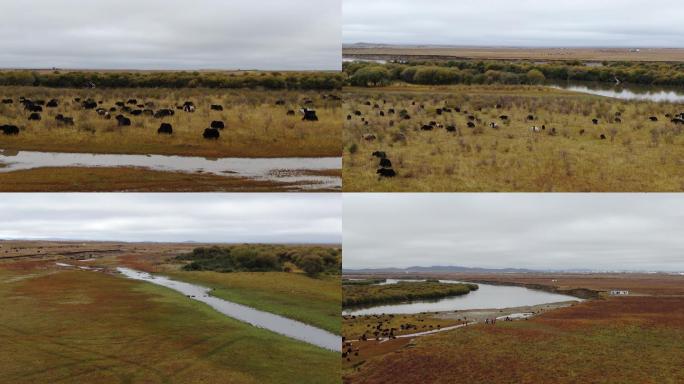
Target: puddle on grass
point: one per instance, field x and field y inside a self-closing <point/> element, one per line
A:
<point x="296" y="170"/>
<point x="278" y="324"/>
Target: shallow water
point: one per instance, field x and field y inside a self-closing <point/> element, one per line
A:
<point x="625" y="92"/>
<point x="282" y="170"/>
<point x="486" y="297"/>
<point x="278" y="324"/>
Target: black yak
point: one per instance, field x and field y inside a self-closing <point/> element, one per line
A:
<point x="386" y="172"/>
<point x="34" y="116"/>
<point x="309" y="115"/>
<point x="9" y="130"/>
<point x="211" y="134"/>
<point x="217" y="107"/>
<point x="217" y="124"/>
<point x="165" y="128"/>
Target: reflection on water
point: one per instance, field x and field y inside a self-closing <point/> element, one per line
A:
<point x="486" y="297"/>
<point x="260" y="319"/>
<point x="283" y="170"/>
<point x="625" y="92"/>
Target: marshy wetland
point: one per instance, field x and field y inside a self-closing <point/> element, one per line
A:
<point x="145" y="332"/>
<point x="467" y="342"/>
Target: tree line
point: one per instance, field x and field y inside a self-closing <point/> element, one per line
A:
<point x="312" y="260"/>
<point x="508" y="72"/>
<point x="231" y="80"/>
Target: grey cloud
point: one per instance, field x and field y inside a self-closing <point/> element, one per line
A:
<point x="171" y="34"/>
<point x="582" y="23"/>
<point x="538" y="231"/>
<point x="270" y="218"/>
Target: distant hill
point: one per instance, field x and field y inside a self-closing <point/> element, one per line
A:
<point x="438" y="269"/>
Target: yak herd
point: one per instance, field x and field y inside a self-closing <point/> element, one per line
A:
<point x="380" y="328"/>
<point x="380" y="110"/>
<point x="124" y="112"/>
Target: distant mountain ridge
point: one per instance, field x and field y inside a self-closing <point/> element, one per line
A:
<point x="438" y="269"/>
<point x="459" y="269"/>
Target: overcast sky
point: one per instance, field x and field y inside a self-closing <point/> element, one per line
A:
<point x="223" y="217"/>
<point x="537" y="231"/>
<point x="171" y="34"/>
<point x="584" y="23"/>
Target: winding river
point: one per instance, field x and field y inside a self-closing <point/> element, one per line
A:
<point x="281" y="170"/>
<point x="624" y="92"/>
<point x="486" y="297"/>
<point x="278" y="324"/>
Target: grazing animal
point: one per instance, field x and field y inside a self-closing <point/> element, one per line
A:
<point x="309" y="115"/>
<point x="59" y="117"/>
<point x="530" y="117"/>
<point x="132" y="102"/>
<point x="426" y="127"/>
<point x="290" y="113"/>
<point x="136" y="112"/>
<point x="9" y="130"/>
<point x="217" y="107"/>
<point x="618" y="120"/>
<point x="471" y="124"/>
<point x="7" y="101"/>
<point x="68" y="121"/>
<point x="165" y="128"/>
<point x="386" y="172"/>
<point x="653" y="118"/>
<point x="595" y="121"/>
<point x="123" y="121"/>
<point x="189" y="106"/>
<point x="217" y="124"/>
<point x="503" y="117"/>
<point x="163" y="113"/>
<point x="369" y="137"/>
<point x="52" y="103"/>
<point x="211" y="134"/>
<point x="493" y="125"/>
<point x="603" y="137"/>
<point x="582" y="131"/>
<point x="280" y="102"/>
<point x="379" y="154"/>
<point x="535" y="129"/>
<point x="349" y="117"/>
<point x="120" y="103"/>
<point x="34" y="116"/>
<point x="385" y="163"/>
<point x="89" y="104"/>
<point x="451" y="128"/>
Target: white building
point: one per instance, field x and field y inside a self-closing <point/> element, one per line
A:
<point x="617" y="292"/>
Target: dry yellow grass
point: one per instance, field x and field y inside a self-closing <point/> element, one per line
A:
<point x="255" y="125"/>
<point x="637" y="154"/>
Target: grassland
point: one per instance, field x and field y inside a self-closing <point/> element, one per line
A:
<point x="314" y="301"/>
<point x="78" y="326"/>
<point x="500" y="53"/>
<point x="255" y="125"/>
<point x="627" y="340"/>
<point x="156" y="335"/>
<point x="634" y="339"/>
<point x="400" y="292"/>
<point x="637" y="154"/>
